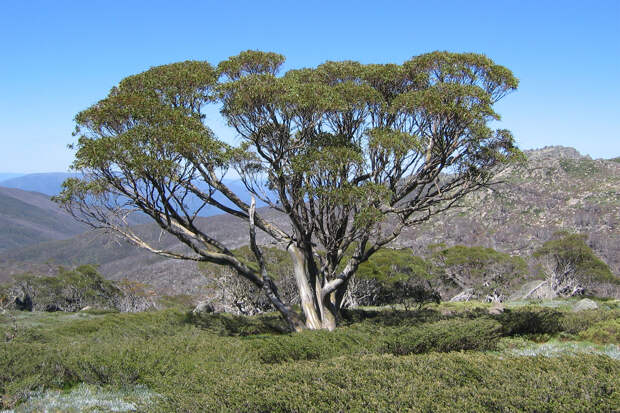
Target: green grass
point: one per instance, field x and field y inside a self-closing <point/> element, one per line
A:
<point x="432" y="360"/>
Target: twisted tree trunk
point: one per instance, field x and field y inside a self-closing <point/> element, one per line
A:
<point x="319" y="309"/>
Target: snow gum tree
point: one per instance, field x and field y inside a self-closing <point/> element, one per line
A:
<point x="350" y="154"/>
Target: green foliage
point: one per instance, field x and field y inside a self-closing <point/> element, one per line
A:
<point x="368" y="338"/>
<point x="445" y="336"/>
<point x="607" y="331"/>
<point x="224" y="324"/>
<point x="340" y="147"/>
<point x="180" y="301"/>
<point x="251" y="62"/>
<point x="400" y="278"/>
<point x="572" y="251"/>
<point x="69" y="290"/>
<point x="411" y="293"/>
<point x="486" y="270"/>
<point x="530" y="320"/>
<point x="477" y="260"/>
<point x="389" y="266"/>
<point x="575" y="323"/>
<point x="354" y="368"/>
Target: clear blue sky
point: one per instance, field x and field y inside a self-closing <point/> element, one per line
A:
<point x="59" y="57"/>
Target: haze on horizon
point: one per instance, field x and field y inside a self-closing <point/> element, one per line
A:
<point x="59" y="58"/>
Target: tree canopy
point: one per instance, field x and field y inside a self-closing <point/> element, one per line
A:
<point x="350" y="153"/>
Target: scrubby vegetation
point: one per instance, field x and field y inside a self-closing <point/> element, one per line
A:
<point x="564" y="266"/>
<point x="72" y="290"/>
<point x="476" y="355"/>
<point x="490" y="275"/>
<point x="452" y="357"/>
<point x="580" y="168"/>
<point x="570" y="253"/>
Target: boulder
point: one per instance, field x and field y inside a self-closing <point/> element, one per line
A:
<point x="585" y="304"/>
<point x="203" y="307"/>
<point x="496" y="309"/>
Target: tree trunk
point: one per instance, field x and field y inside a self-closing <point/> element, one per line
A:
<point x="330" y="312"/>
<point x="321" y="311"/>
<point x="307" y="292"/>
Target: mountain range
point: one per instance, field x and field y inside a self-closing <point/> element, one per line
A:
<point x="557" y="189"/>
<point x="51" y="184"/>
<point x="45" y="183"/>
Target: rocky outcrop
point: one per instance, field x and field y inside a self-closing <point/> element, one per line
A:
<point x="585" y="304"/>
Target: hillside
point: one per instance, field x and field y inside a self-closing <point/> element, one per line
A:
<point x="45" y="183"/>
<point x="8" y="175"/>
<point x="558" y="189"/>
<point x="51" y="184"/>
<point x="118" y="259"/>
<point x="28" y="218"/>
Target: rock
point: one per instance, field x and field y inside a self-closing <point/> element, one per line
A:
<point x="465" y="295"/>
<point x="496" y="309"/>
<point x="585" y="304"/>
<point x="553" y="152"/>
<point x="203" y="307"/>
<point x="86" y="308"/>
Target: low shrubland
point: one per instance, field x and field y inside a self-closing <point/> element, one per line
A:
<point x="442" y="358"/>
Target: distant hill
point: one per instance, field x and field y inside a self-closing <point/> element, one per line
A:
<point x="51" y="184"/>
<point x="45" y="183"/>
<point x="119" y="259"/>
<point x="6" y="175"/>
<point x="557" y="189"/>
<point x="28" y="218"/>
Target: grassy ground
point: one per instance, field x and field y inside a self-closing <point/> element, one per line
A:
<point x="453" y="357"/>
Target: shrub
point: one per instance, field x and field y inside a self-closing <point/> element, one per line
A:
<point x="491" y="273"/>
<point x="195" y="370"/>
<point x="603" y="332"/>
<point x="574" y="323"/>
<point x="311" y="345"/>
<point x="530" y="320"/>
<point x="445" y="336"/>
<point x="569" y="253"/>
<point x="451" y="382"/>
<point x="72" y="290"/>
<point x="394" y="276"/>
<point x="223" y="324"/>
